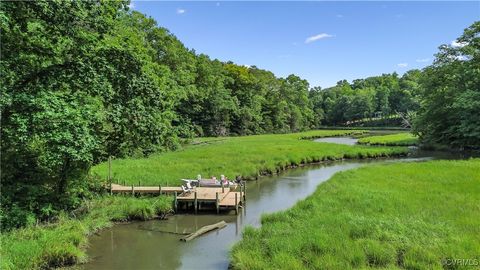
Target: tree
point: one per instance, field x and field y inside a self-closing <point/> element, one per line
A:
<point x="51" y="116"/>
<point x="450" y="103"/>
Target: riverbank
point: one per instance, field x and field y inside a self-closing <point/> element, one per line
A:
<point x="64" y="241"/>
<point x="398" y="139"/>
<point x="420" y="216"/>
<point x="248" y="156"/>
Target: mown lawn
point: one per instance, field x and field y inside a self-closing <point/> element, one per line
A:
<point x="399" y="139"/>
<point x="403" y="215"/>
<point x="247" y="156"/>
<point x="64" y="241"/>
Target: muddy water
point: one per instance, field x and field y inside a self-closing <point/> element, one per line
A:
<point x="155" y="244"/>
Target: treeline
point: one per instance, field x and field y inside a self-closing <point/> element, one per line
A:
<point x="84" y="80"/>
<point x="373" y="97"/>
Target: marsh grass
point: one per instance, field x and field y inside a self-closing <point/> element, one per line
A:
<point x="398" y="139"/>
<point x="248" y="156"/>
<point x="402" y="215"/>
<point x="64" y="242"/>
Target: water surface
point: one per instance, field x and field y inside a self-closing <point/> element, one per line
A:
<point x="338" y="140"/>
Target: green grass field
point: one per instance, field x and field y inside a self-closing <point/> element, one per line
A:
<point x="392" y="216"/>
<point x="399" y="139"/>
<point x="247" y="156"/>
<point x="64" y="242"/>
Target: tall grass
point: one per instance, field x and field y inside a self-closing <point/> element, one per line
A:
<point x="64" y="242"/>
<point x="404" y="215"/>
<point x="399" y="139"/>
<point x="247" y="156"/>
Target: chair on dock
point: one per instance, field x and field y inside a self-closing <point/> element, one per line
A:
<point x="186" y="190"/>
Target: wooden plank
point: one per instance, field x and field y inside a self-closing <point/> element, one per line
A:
<point x="230" y="200"/>
<point x="204" y="194"/>
<point x="145" y="189"/>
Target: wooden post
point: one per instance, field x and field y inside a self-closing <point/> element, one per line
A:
<point x="244" y="191"/>
<point x="133" y="191"/>
<point x="217" y="203"/>
<point x="139" y="184"/>
<point x="124" y="182"/>
<point x="223" y="188"/>
<point x="110" y="173"/>
<point x="195" y="202"/>
<point x="236" y="204"/>
<point x="109" y="168"/>
<point x="241" y="189"/>
<point x="175" y="201"/>
<point x="159" y="190"/>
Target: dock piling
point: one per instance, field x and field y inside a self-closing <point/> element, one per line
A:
<point x="217" y="203"/>
<point x="236" y="204"/>
<point x="223" y="187"/>
<point x="244" y="191"/>
<point x="175" y="201"/>
<point x="133" y="190"/>
<point x="195" y="205"/>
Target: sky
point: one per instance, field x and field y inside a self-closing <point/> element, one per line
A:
<point x="322" y="42"/>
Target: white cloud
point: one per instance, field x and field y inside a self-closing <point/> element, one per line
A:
<point x="402" y="65"/>
<point x="181" y="11"/>
<point x="457" y="44"/>
<point x="317" y="37"/>
<point x="423" y="60"/>
<point x="131" y="5"/>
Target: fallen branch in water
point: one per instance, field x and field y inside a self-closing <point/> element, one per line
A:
<point x="204" y="229"/>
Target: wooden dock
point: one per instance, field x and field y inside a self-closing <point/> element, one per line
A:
<point x="116" y="188"/>
<point x="221" y="198"/>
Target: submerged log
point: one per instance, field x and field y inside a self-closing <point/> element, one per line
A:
<point x="217" y="226"/>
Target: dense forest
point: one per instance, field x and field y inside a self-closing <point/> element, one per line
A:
<point x="85" y="80"/>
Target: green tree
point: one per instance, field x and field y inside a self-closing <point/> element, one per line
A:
<point x="450" y="103"/>
<point x="51" y="116"/>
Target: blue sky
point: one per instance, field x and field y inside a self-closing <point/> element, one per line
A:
<point x="323" y="42"/>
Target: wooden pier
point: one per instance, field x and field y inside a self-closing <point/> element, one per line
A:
<point x="207" y="197"/>
<point x="116" y="188"/>
<point x="218" y="198"/>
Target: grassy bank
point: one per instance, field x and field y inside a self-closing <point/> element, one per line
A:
<point x="399" y="139"/>
<point x="247" y="156"/>
<point x="403" y="215"/>
<point x="64" y="242"/>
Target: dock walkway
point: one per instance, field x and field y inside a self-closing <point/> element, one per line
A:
<point x="116" y="188"/>
<point x="200" y="197"/>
